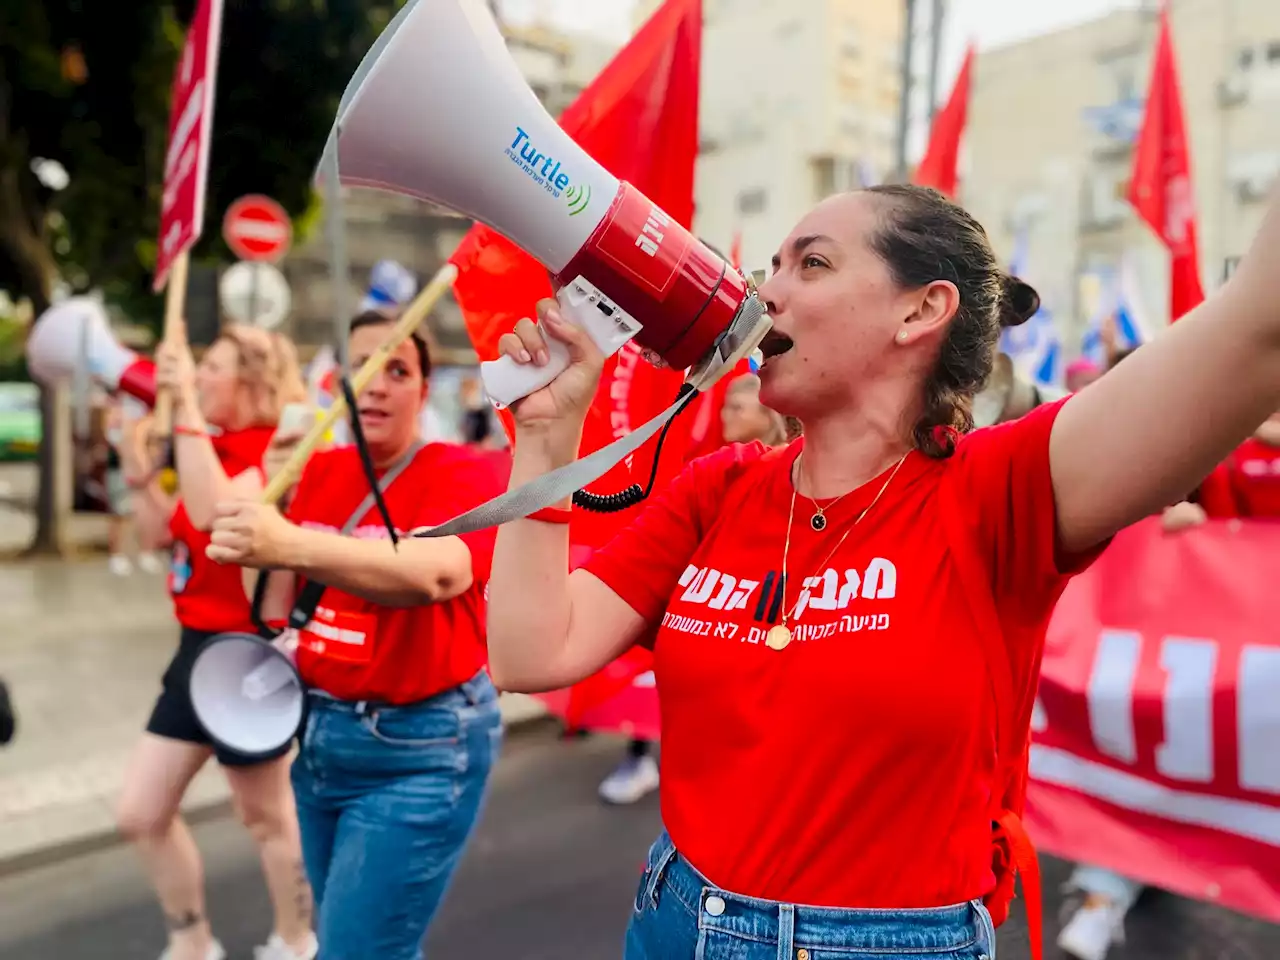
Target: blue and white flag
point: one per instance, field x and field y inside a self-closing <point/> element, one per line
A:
<point x="1121" y="306"/>
<point x="391" y="286"/>
<point x="1034" y="347"/>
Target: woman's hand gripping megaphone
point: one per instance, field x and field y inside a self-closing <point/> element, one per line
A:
<point x="565" y="400"/>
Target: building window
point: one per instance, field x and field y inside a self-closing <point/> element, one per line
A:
<point x="752" y="201"/>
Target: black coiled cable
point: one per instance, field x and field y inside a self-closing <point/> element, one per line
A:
<point x="624" y="499"/>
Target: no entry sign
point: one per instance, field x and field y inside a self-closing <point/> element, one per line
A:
<point x="257" y="228"/>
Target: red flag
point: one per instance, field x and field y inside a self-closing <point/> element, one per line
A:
<point x="938" y="166"/>
<point x="1160" y="186"/>
<point x="638" y="119"/>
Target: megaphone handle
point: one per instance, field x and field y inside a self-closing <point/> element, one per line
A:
<point x="507" y="381"/>
<point x="581" y="304"/>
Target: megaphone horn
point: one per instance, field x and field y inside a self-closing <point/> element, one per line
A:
<point x="480" y="142"/>
<point x="74" y="334"/>
<point x="247" y="693"/>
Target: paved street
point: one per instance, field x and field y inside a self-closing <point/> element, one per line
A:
<point x="548" y="875"/>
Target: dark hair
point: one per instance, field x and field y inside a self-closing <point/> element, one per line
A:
<point x="922" y="237"/>
<point x="376" y="318"/>
<point x="1120" y="355"/>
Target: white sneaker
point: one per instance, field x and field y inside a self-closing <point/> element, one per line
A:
<point x="215" y="952"/>
<point x="277" y="949"/>
<point x="119" y="565"/>
<point x="634" y="778"/>
<point x="1091" y="931"/>
<point x="150" y="563"/>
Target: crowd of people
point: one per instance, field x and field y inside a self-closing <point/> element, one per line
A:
<point x="820" y="792"/>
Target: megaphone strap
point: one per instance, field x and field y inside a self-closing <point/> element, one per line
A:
<point x="553" y="487"/>
<point x="304" y="607"/>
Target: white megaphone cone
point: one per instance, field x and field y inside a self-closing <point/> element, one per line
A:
<point x="439" y="110"/>
<point x="75" y="331"/>
<point x="247" y="693"/>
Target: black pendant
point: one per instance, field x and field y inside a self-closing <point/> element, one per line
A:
<point x="818" y="522"/>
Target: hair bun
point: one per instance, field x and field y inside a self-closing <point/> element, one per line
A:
<point x="1019" y="301"/>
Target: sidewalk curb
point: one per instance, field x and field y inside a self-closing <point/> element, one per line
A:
<point x="526" y="715"/>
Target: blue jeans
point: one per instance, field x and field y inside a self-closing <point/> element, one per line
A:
<point x="679" y="915"/>
<point x="387" y="797"/>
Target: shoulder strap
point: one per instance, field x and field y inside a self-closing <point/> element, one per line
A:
<point x="1012" y="735"/>
<point x="304" y="607"/>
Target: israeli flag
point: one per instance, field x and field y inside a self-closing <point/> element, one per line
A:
<point x="1034" y="347"/>
<point x="391" y="286"/>
<point x="1122" y="308"/>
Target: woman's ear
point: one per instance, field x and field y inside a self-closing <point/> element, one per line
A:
<point x="937" y="304"/>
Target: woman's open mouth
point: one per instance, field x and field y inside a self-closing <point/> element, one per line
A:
<point x="774" y="344"/>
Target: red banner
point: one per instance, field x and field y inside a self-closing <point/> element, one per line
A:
<point x="186" y="161"/>
<point x="1157" y="731"/>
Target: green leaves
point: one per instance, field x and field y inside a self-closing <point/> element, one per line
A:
<point x="283" y="65"/>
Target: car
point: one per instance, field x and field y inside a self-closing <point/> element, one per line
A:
<point x="19" y="422"/>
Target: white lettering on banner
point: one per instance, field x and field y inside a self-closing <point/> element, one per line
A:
<point x="1258" y="716"/>
<point x="186" y="125"/>
<point x="1110" y="694"/>
<point x="1241" y="817"/>
<point x="1187" y="751"/>
<point x="1187" y="708"/>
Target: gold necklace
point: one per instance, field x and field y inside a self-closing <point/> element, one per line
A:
<point x="779" y="636"/>
<point x="819" y="519"/>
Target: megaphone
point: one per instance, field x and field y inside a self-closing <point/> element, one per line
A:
<point x="247" y="693"/>
<point x="75" y="331"/>
<point x="438" y="110"/>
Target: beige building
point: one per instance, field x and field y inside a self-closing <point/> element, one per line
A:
<point x="1049" y="147"/>
<point x="386" y="226"/>
<point x="798" y="100"/>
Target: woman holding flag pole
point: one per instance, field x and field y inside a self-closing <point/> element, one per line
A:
<point x="225" y="411"/>
<point x="845" y="730"/>
<point x="403" y="725"/>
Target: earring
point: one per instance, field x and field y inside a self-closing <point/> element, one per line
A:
<point x="902" y="336"/>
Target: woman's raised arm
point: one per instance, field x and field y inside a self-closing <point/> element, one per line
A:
<point x="1140" y="437"/>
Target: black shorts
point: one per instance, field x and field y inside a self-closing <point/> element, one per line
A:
<point x="175" y="718"/>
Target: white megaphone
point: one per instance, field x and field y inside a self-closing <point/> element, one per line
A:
<point x="438" y="110"/>
<point x="247" y="693"/>
<point x="75" y="332"/>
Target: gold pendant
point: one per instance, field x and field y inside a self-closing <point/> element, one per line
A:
<point x="778" y="637"/>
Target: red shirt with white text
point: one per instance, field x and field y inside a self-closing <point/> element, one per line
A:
<point x="210" y="596"/>
<point x="1247" y="484"/>
<point x="855" y="767"/>
<point x="358" y="650"/>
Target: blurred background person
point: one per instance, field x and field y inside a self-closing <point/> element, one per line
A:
<point x="225" y="411"/>
<point x="128" y="469"/>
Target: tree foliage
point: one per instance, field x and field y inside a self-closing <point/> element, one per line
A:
<point x="87" y="84"/>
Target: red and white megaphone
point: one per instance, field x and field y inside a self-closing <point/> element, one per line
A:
<point x="75" y="332"/>
<point x="438" y="110"/>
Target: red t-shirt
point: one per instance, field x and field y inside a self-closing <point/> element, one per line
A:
<point x="206" y="595"/>
<point x="855" y="767"/>
<point x="357" y="650"/>
<point x="1247" y="484"/>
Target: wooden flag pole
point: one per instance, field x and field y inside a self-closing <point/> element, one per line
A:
<point x="175" y="298"/>
<point x="409" y="321"/>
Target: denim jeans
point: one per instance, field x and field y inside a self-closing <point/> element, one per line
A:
<point x="387" y="797"/>
<point x="679" y="915"/>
